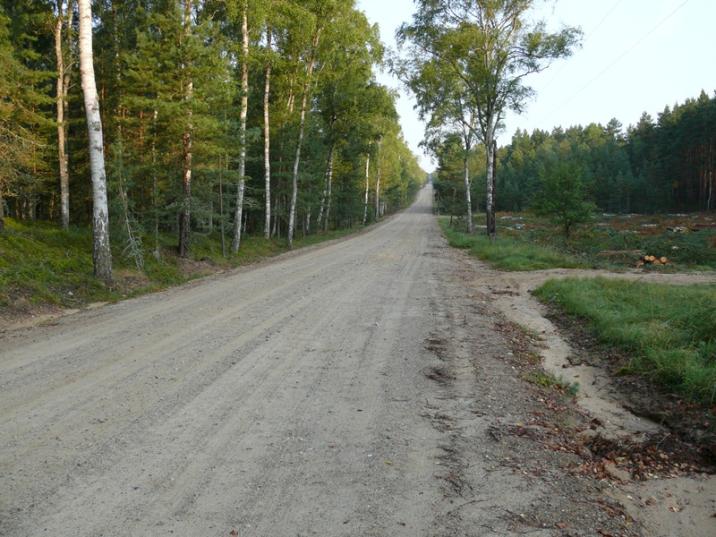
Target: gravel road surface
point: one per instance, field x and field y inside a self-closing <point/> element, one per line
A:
<point x="350" y="390"/>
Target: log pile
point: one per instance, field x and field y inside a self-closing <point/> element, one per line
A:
<point x="652" y="260"/>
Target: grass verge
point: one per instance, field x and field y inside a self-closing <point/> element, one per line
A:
<point x="40" y="264"/>
<point x="508" y="253"/>
<point x="668" y="330"/>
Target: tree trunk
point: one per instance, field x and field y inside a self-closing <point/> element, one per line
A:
<point x="155" y="187"/>
<point x="367" y="188"/>
<point x="301" y="128"/>
<point x="185" y="217"/>
<point x="326" y="188"/>
<point x="221" y="206"/>
<point x="377" y="186"/>
<point x="267" y="139"/>
<point x="102" y="254"/>
<point x="490" y="186"/>
<point x="242" y="127"/>
<point x="468" y="195"/>
<point x="63" y="80"/>
<point x="329" y="179"/>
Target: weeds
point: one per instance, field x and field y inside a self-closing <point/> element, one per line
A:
<point x="668" y="330"/>
<point x="508" y="253"/>
<point x="547" y="380"/>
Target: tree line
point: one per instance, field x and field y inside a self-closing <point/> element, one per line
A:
<point x="225" y="116"/>
<point x="660" y="165"/>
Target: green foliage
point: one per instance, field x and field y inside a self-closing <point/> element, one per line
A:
<point x="42" y="264"/>
<point x="22" y="126"/>
<point x="508" y="253"/>
<point x="669" y="330"/>
<point x="561" y="196"/>
<point x="547" y="380"/>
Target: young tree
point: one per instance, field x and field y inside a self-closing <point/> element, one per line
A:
<point x="102" y="254"/>
<point x="490" y="47"/>
<point x="562" y="198"/>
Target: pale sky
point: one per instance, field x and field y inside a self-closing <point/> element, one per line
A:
<point x="637" y="55"/>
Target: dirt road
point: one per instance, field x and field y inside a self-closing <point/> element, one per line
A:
<point x="353" y="390"/>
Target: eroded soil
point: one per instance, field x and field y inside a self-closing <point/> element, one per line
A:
<point x="657" y="447"/>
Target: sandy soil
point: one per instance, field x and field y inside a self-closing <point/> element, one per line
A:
<point x="358" y="389"/>
<point x="682" y="506"/>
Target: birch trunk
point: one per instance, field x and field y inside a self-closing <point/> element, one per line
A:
<point x="63" y="81"/>
<point x="377" y="187"/>
<point x="267" y="138"/>
<point x="367" y="188"/>
<point x="490" y="186"/>
<point x="329" y="171"/>
<point x="468" y="195"/>
<point x="301" y="127"/>
<point x="221" y="205"/>
<point x="155" y="187"/>
<point x="242" y="127"/>
<point x="102" y="254"/>
<point x="185" y="217"/>
<point x="329" y="180"/>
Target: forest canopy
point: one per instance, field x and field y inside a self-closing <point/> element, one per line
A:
<point x="665" y="164"/>
<point x="245" y="116"/>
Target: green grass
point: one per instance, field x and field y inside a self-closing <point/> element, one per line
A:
<point x="614" y="242"/>
<point x="668" y="330"/>
<point x="509" y="253"/>
<point x="42" y="264"/>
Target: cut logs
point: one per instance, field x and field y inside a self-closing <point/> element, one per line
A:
<point x="652" y="260"/>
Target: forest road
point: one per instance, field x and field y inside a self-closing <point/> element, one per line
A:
<point x="344" y="391"/>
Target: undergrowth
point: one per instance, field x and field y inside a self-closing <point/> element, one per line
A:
<point x="509" y="253"/>
<point x="42" y="264"/>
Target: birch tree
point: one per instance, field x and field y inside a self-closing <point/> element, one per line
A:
<point x="63" y="22"/>
<point x="102" y="254"/>
<point x="242" y="125"/>
<point x="267" y="135"/>
<point x="188" y="83"/>
<point x="307" y="85"/>
<point x="490" y="46"/>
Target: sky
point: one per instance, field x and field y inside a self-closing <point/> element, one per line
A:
<point x="636" y="56"/>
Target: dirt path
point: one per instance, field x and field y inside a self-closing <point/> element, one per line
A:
<point x="353" y="390"/>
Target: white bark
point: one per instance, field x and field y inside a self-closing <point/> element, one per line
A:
<point x="63" y="81"/>
<point x="326" y="188"/>
<point x="377" y="186"/>
<point x="468" y="195"/>
<point x="242" y="127"/>
<point x="185" y="216"/>
<point x="102" y="254"/>
<point x="301" y="128"/>
<point x="329" y="180"/>
<point x="267" y="138"/>
<point x="367" y="188"/>
<point x="490" y="186"/>
<point x="155" y="187"/>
